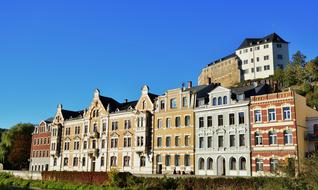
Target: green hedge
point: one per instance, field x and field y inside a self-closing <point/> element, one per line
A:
<point x="129" y="181"/>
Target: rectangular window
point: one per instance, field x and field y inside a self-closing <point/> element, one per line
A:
<point x="252" y="70"/>
<point x="104" y="126"/>
<point x="257" y="116"/>
<point x="177" y="140"/>
<point x="259" y="165"/>
<point x="245" y="62"/>
<point x="173" y="103"/>
<point x="245" y="71"/>
<point x="85" y="145"/>
<point x="184" y="102"/>
<point x="187" y="140"/>
<point x="252" y="60"/>
<point x="187" y="120"/>
<point x="86" y="129"/>
<point x="232" y="140"/>
<point x="210" y="121"/>
<point x="159" y="124"/>
<point x="177" y="160"/>
<point x="167" y="160"/>
<point x="186" y="160"/>
<point x="242" y="139"/>
<point x="159" y="141"/>
<point x="201" y="122"/>
<point x="266" y="67"/>
<point x="201" y="142"/>
<point x="271" y="114"/>
<point x="220" y="120"/>
<point x="162" y="104"/>
<point x="286" y="113"/>
<point x="231" y="119"/>
<point x="266" y="57"/>
<point x="258" y="139"/>
<point x="266" y="46"/>
<point x="241" y="118"/>
<point x="279" y="56"/>
<point x="257" y="59"/>
<point x="127" y="124"/>
<point x="168" y="123"/>
<point x="220" y="141"/>
<point x="178" y="122"/>
<point x="258" y="69"/>
<point x="114" y="125"/>
<point x="168" y="141"/>
<point x="279" y="45"/>
<point x="209" y="141"/>
<point x="257" y="48"/>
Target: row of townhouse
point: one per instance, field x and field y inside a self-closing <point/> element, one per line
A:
<point x="201" y="130"/>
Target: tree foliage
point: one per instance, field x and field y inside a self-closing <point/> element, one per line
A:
<point x="15" y="146"/>
<point x="301" y="76"/>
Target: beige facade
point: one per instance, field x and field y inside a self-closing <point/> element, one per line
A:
<point x="91" y="139"/>
<point x="225" y="71"/>
<point x="130" y="135"/>
<point x="174" y="130"/>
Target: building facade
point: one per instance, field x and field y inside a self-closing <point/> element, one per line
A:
<point x="261" y="56"/>
<point x="130" y="135"/>
<point x="40" y="147"/>
<point x="256" y="58"/>
<point x="278" y="131"/>
<point x="174" y="130"/>
<point x="225" y="71"/>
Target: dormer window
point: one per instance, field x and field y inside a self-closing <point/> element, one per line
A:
<point x="144" y="104"/>
<point x="219" y="100"/>
<point x="214" y="101"/>
<point x="225" y="100"/>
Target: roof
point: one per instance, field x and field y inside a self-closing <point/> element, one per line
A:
<point x="152" y="96"/>
<point x="49" y="120"/>
<point x="223" y="58"/>
<point x="202" y="90"/>
<point x="113" y="104"/>
<point x="67" y="114"/>
<point x="251" y="90"/>
<point x="269" y="38"/>
<point x="126" y="105"/>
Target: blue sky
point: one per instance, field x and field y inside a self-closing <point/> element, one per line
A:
<point x="59" y="51"/>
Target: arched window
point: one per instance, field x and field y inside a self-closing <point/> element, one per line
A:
<point x="65" y="162"/>
<point x="113" y="161"/>
<point x="126" y="161"/>
<point x="219" y="100"/>
<point x="242" y="163"/>
<point x="214" y="101"/>
<point x="288" y="137"/>
<point x="209" y="164"/>
<point x="201" y="164"/>
<point x="142" y="161"/>
<point x="225" y="100"/>
<point x="232" y="163"/>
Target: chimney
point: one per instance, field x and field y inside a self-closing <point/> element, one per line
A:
<point x="126" y="100"/>
<point x="189" y="84"/>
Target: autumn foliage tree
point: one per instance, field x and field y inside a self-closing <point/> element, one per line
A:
<point x="15" y="146"/>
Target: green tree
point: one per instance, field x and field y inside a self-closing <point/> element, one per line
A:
<point x="299" y="59"/>
<point x="289" y="76"/>
<point x="15" y="146"/>
<point x="311" y="69"/>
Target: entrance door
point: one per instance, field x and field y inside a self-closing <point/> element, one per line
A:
<point x="221" y="166"/>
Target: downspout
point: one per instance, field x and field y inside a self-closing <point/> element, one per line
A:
<point x="297" y="139"/>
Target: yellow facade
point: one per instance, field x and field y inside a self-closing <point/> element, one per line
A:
<point x="173" y="109"/>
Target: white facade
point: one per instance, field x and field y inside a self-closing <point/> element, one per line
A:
<point x="261" y="59"/>
<point x="222" y="141"/>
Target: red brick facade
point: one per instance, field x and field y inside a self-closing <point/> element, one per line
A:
<point x="282" y="148"/>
